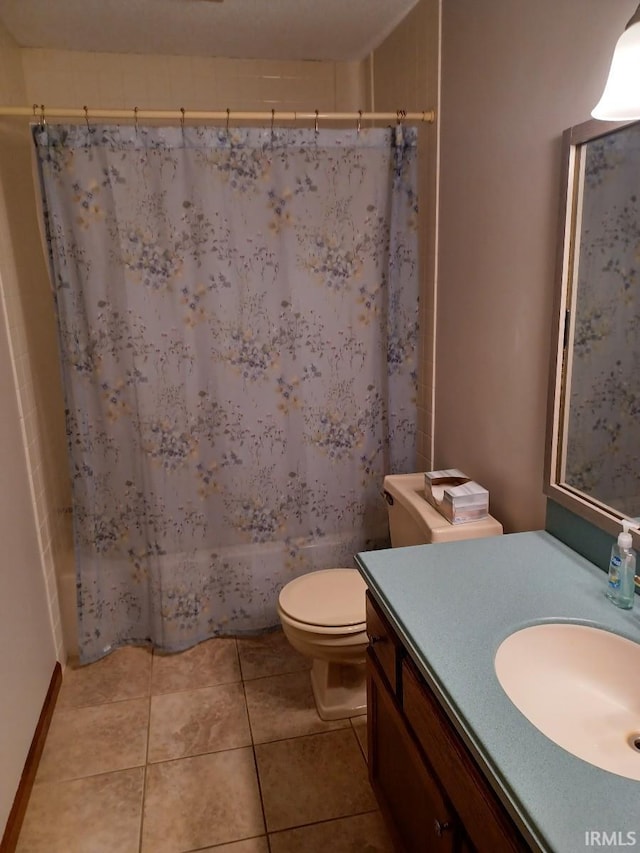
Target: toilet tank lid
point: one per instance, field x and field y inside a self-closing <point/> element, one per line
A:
<point x="408" y="489"/>
<point x="329" y="597"/>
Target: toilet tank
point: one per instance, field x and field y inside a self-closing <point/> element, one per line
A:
<point x="413" y="521"/>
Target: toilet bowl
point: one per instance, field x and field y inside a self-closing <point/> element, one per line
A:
<point x="323" y="617"/>
<point x="323" y="613"/>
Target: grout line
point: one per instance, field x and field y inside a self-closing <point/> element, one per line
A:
<point x="277" y="674"/>
<point x="307" y="735"/>
<point x="146" y="765"/>
<point x="234" y="748"/>
<point x="225" y="844"/>
<point x="196" y="755"/>
<point x="66" y="780"/>
<point x="360" y="746"/>
<point x="144" y="794"/>
<point x="65" y="708"/>
<point x="255" y="764"/>
<point x="198" y="687"/>
<point x="325" y="820"/>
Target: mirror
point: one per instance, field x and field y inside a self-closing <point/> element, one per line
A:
<point x="593" y="435"/>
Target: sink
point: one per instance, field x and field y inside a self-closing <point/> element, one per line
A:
<point x="580" y="686"/>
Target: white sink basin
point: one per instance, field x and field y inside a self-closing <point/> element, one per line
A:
<point x="580" y="686"/>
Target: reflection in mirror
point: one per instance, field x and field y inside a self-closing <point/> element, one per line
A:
<point x="603" y="358"/>
<point x="593" y="450"/>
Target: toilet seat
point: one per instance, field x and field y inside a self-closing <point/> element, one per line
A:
<point x="330" y="599"/>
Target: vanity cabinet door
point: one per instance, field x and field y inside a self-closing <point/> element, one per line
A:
<point x="383" y="642"/>
<point x="486" y="822"/>
<point x="417" y="813"/>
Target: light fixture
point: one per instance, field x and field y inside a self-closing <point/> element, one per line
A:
<point x="620" y="100"/>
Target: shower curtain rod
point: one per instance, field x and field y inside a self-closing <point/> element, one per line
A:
<point x="42" y="113"/>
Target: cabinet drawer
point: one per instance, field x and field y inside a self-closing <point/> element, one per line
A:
<point x="485" y="819"/>
<point x="383" y="643"/>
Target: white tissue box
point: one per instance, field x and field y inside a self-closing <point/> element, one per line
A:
<point x="458" y="498"/>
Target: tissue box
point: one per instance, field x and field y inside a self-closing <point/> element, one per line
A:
<point x="458" y="498"/>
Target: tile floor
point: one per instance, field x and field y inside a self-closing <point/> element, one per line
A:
<point x="217" y="748"/>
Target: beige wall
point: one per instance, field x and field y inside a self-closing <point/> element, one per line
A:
<point x="32" y="332"/>
<point x="11" y="77"/>
<point x="28" y="652"/>
<point x="108" y="80"/>
<point x="514" y="75"/>
<point x="406" y="76"/>
<point x="28" y="605"/>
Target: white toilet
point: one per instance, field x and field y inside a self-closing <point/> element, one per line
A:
<point x="323" y="613"/>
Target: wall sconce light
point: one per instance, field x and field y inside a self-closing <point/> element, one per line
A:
<point x="620" y="100"/>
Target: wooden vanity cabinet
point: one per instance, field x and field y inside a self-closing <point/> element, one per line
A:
<point x="430" y="789"/>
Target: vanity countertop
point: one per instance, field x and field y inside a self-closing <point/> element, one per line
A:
<point x="452" y="604"/>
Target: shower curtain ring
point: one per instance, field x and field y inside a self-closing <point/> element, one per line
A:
<point x="43" y="121"/>
<point x="273" y="116"/>
<point x="228" y="115"/>
<point x="359" y="122"/>
<point x="86" y="116"/>
<point x="182" y="118"/>
<point x="315" y="124"/>
<point x="135" y="119"/>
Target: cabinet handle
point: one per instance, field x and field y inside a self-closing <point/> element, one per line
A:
<point x="441" y="826"/>
<point x="374" y="639"/>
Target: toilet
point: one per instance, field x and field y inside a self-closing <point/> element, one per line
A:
<point x="323" y="613"/>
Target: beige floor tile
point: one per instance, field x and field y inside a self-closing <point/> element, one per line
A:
<point x="269" y="654"/>
<point x="282" y="706"/>
<point x="364" y="832"/>
<point x="201" y="801"/>
<point x="251" y="845"/>
<point x="193" y="722"/>
<point x="360" y="728"/>
<point x="124" y="674"/>
<point x="101" y="814"/>
<point x="205" y="665"/>
<point x="313" y="778"/>
<point x="97" y="739"/>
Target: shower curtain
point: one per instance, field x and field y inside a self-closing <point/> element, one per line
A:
<point x="237" y="315"/>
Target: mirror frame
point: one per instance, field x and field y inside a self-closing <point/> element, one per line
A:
<point x="592" y="510"/>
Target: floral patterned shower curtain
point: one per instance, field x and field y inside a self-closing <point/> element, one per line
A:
<point x="238" y="327"/>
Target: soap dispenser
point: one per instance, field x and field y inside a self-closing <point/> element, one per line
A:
<point x="622" y="569"/>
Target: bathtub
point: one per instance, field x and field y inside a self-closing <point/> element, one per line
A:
<point x="281" y="561"/>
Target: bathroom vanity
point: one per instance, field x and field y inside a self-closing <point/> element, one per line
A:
<point x="454" y="764"/>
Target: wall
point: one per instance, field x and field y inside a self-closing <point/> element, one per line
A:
<point x="32" y="335"/>
<point x="108" y="80"/>
<point x="514" y="75"/>
<point x="406" y="76"/>
<point x="28" y="649"/>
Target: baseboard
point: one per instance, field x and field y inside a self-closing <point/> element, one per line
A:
<point x="21" y="800"/>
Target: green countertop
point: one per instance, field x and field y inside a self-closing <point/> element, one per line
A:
<point x="452" y="604"/>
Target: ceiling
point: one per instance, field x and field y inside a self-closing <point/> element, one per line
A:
<point x="247" y="29"/>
